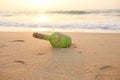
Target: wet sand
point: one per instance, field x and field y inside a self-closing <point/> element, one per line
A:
<point x="92" y="56"/>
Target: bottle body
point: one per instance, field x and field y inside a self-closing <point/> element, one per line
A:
<point x="57" y="39"/>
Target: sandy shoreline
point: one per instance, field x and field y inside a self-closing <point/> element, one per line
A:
<point x="25" y="29"/>
<point x="93" y="56"/>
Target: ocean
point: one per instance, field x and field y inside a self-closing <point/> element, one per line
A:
<point x="82" y="20"/>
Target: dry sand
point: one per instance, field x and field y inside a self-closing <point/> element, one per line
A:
<point x="93" y="56"/>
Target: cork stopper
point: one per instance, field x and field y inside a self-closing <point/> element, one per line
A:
<point x="38" y="35"/>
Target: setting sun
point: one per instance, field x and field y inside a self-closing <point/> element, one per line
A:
<point x="41" y="2"/>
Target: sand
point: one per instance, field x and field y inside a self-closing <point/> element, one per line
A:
<point x="92" y="56"/>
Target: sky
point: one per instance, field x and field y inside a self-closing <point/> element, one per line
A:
<point x="58" y="4"/>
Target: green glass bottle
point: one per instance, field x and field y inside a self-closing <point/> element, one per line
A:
<point x="57" y="40"/>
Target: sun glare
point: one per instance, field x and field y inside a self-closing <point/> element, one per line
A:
<point x="41" y="3"/>
<point x="42" y="18"/>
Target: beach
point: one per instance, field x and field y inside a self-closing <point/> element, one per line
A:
<point x="92" y="56"/>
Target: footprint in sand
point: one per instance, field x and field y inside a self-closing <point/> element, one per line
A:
<point x="41" y="53"/>
<point x="101" y="77"/>
<point x="1" y="46"/>
<point x="4" y="55"/>
<point x="106" y="73"/>
<point x="79" y="51"/>
<point x="19" y="61"/>
<point x="108" y="67"/>
<point x="17" y="41"/>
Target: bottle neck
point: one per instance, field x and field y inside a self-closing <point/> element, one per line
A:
<point x="41" y="36"/>
<point x="46" y="37"/>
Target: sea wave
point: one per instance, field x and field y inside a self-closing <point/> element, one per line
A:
<point x="7" y="19"/>
<point x="109" y="25"/>
<point x="109" y="12"/>
<point x="115" y="12"/>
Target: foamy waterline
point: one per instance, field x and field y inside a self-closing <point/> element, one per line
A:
<point x="14" y="29"/>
